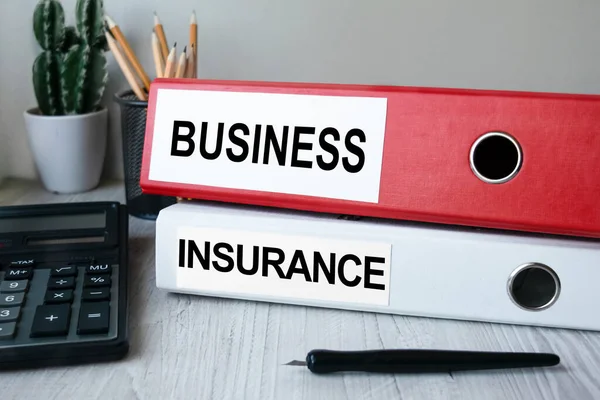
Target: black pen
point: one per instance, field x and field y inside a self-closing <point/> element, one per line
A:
<point x="420" y="361"/>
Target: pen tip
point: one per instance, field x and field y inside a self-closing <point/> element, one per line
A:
<point x="296" y="363"/>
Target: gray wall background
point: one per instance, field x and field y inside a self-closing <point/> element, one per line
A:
<point x="537" y="45"/>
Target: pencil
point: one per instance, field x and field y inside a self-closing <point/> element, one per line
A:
<point x="118" y="35"/>
<point x="170" y="65"/>
<point x="158" y="58"/>
<point x="194" y="40"/>
<point x="195" y="70"/>
<point x="189" y="67"/>
<point x="162" y="38"/>
<point x="125" y="67"/>
<point x="181" y="64"/>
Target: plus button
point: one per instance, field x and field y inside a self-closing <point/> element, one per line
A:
<point x="51" y="320"/>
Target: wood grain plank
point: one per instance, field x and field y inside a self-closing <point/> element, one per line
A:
<point x="194" y="347"/>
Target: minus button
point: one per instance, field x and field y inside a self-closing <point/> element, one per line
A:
<point x="96" y="294"/>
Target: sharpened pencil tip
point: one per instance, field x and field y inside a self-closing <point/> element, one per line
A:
<point x="184" y="49"/>
<point x="109" y="21"/>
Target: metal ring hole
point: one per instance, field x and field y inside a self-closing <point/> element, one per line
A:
<point x="496" y="157"/>
<point x="534" y="287"/>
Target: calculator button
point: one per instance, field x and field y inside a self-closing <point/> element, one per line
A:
<point x="95" y="294"/>
<point x="7" y="331"/>
<point x="51" y="320"/>
<point x="70" y="270"/>
<point x="99" y="269"/>
<point x="22" y="263"/>
<point x="18" y="273"/>
<point x="12" y="299"/>
<point x="13" y="286"/>
<point x="67" y="282"/>
<point x="93" y="318"/>
<point x="58" y="296"/>
<point x="97" y="280"/>
<point x="9" y="314"/>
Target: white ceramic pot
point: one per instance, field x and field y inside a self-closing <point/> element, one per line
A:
<point x="68" y="150"/>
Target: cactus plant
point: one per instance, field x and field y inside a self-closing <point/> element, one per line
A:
<point x="49" y="30"/>
<point x="70" y="75"/>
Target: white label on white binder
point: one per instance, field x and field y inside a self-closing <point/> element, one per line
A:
<point x="284" y="266"/>
<point x="324" y="146"/>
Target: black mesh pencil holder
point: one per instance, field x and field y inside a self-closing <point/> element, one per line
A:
<point x="133" y="131"/>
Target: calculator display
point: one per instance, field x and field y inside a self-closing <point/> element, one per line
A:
<point x="53" y="222"/>
<point x="84" y="239"/>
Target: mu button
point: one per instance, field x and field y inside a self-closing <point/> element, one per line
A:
<point x="93" y="318"/>
<point x="99" y="269"/>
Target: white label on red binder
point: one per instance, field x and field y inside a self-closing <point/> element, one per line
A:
<point x="276" y="265"/>
<point x="324" y="146"/>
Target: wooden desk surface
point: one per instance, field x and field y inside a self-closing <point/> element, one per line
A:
<point x="190" y="347"/>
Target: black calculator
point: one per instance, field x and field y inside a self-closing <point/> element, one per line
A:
<point x="63" y="284"/>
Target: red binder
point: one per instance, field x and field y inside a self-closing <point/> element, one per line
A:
<point x="492" y="159"/>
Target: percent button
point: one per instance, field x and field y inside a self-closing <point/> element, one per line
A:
<point x="97" y="280"/>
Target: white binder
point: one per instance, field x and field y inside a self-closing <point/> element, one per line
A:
<point x="284" y="256"/>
